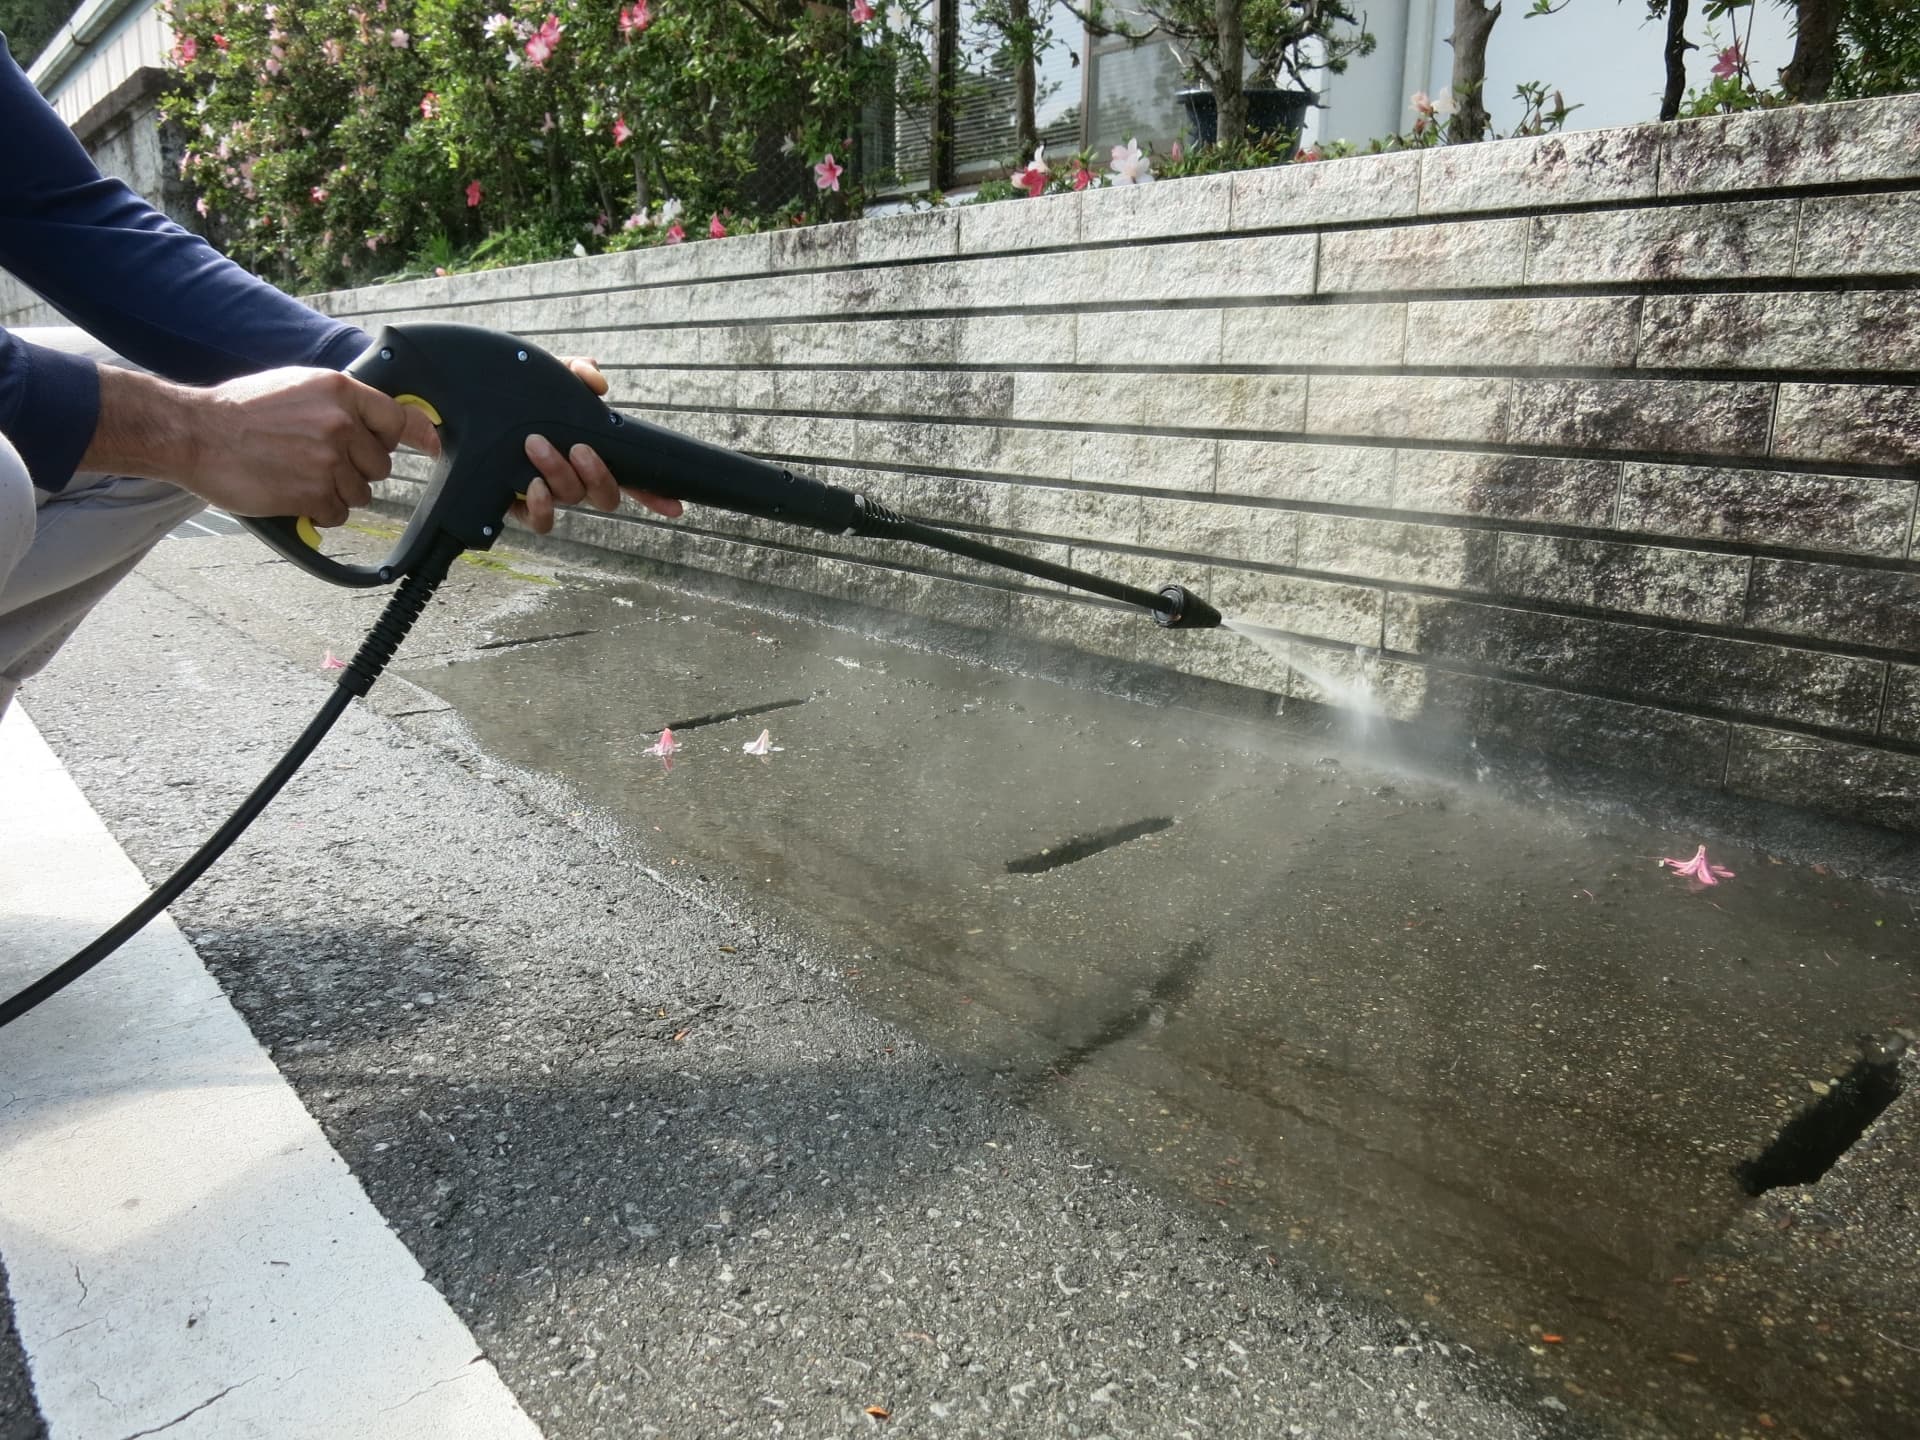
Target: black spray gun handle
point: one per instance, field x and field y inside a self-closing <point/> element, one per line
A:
<point x="485" y="393"/>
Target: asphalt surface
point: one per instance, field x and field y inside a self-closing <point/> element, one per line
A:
<point x="19" y="1417"/>
<point x="643" y="1137"/>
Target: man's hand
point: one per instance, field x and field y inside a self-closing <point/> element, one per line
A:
<point x="578" y="476"/>
<point x="284" y="442"/>
<point x="309" y="442"/>
<point x="295" y="442"/>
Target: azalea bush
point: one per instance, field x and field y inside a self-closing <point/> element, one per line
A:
<point x="335" y="139"/>
<point x="300" y="134"/>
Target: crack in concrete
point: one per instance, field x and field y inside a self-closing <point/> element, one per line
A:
<point x="722" y="716"/>
<point x="188" y="1414"/>
<point x="532" y="640"/>
<point x="1172" y="987"/>
<point x="418" y="1393"/>
<point x="1081" y="847"/>
<point x="81" y="1282"/>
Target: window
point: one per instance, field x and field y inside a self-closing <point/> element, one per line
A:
<point x="1087" y="93"/>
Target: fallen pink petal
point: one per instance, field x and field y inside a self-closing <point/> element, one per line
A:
<point x="1698" y="868"/>
<point x="665" y="745"/>
<point x="333" y="662"/>
<point x="763" y="746"/>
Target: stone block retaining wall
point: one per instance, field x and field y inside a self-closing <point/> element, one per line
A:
<point x="1602" y="444"/>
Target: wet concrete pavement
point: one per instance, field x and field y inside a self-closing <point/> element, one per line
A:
<point x="1469" y="1050"/>
<point x="1485" y="1057"/>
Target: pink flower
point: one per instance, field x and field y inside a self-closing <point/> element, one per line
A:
<point x="1698" y="868"/>
<point x="621" y="134"/>
<point x="1082" y="178"/>
<point x="861" y="10"/>
<point x="318" y="195"/>
<point x="219" y="42"/>
<point x="429" y="104"/>
<point x="187" y="49"/>
<point x="827" y="173"/>
<point x="676" y="234"/>
<point x="543" y="42"/>
<point x="201" y="205"/>
<point x="474" y="194"/>
<point x="1729" y="61"/>
<point x="1176" y="152"/>
<point x="1307" y="157"/>
<point x="665" y="745"/>
<point x="335" y="52"/>
<point x="1422" y="104"/>
<point x="635" y="18"/>
<point x="1034" y="176"/>
<point x="633" y="222"/>
<point x="715" y="230"/>
<point x="398" y="39"/>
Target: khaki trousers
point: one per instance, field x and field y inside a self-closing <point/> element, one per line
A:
<point x="60" y="553"/>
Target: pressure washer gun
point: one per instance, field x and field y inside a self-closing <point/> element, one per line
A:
<point x="485" y="393"/>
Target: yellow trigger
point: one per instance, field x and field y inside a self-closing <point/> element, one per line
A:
<point x="421" y="405"/>
<point x="304" y="528"/>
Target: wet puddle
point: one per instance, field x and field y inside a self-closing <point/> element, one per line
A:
<point x="1488" y="1060"/>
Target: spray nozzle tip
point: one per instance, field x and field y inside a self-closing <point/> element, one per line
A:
<point x="1184" y="610"/>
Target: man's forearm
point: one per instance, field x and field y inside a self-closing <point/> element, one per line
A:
<point x="146" y="427"/>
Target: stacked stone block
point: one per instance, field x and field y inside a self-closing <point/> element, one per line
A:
<point x="1602" y="444"/>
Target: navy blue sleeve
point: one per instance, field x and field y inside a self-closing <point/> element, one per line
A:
<point x="123" y="272"/>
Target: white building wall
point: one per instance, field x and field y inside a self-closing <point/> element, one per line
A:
<point x="105" y="44"/>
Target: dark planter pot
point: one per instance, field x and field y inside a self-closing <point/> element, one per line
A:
<point x="1269" y="111"/>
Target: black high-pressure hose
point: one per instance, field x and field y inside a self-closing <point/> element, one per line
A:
<point x="375" y="652"/>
